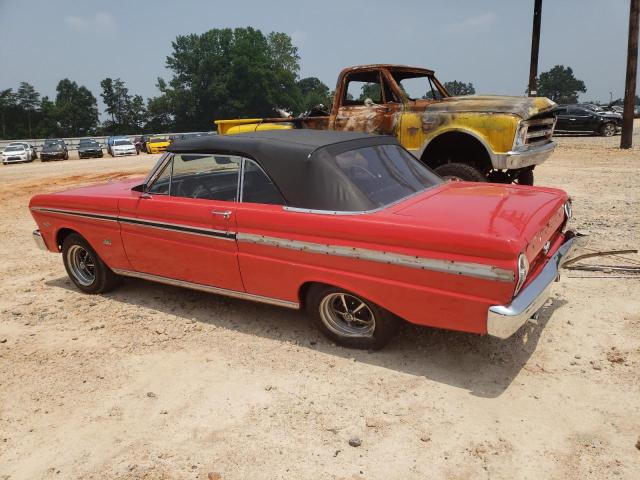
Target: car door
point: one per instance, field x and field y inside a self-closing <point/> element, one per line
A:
<point x="183" y="225"/>
<point x="562" y="119"/>
<point x="580" y="119"/>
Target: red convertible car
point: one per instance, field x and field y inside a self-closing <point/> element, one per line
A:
<point x="349" y="226"/>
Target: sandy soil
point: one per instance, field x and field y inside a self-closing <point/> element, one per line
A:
<point x="151" y="381"/>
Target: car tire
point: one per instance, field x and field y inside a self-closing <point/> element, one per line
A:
<point x="608" y="129"/>
<point x="525" y="178"/>
<point x="460" y="172"/>
<point x="370" y="326"/>
<point x="84" y="267"/>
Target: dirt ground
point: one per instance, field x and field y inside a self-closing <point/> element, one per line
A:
<point x="155" y="382"/>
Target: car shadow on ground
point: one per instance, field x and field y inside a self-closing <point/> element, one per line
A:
<point x="483" y="365"/>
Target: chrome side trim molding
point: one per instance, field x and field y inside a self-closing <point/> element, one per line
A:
<point x="207" y="232"/>
<point x="207" y="288"/>
<point x="477" y="270"/>
<point x="77" y="213"/>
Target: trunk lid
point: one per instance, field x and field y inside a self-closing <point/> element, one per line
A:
<point x="524" y="217"/>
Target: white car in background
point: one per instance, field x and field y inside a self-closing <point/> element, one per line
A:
<point x="27" y="146"/>
<point x="16" y="153"/>
<point x="123" y="146"/>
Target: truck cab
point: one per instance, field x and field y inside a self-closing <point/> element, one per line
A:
<point x="473" y="138"/>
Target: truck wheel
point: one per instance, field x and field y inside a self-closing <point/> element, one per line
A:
<point x="460" y="172"/>
<point x="349" y="320"/>
<point x="525" y="178"/>
<point x="84" y="267"/>
<point x="608" y="130"/>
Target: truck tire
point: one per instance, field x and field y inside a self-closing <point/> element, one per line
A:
<point x="525" y="178"/>
<point x="460" y="172"/>
<point x="349" y="320"/>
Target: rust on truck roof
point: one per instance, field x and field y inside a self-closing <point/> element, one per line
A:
<point x="389" y="66"/>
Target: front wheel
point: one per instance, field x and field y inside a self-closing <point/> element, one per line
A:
<point x="460" y="172"/>
<point x="84" y="267"/>
<point x="608" y="130"/>
<point x="349" y="320"/>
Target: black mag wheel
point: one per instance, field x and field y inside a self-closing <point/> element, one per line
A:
<point x="350" y="320"/>
<point x="84" y="267"/>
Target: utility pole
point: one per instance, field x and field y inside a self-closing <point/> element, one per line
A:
<point x="630" y="83"/>
<point x="535" y="46"/>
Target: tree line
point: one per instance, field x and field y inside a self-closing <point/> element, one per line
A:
<point x="221" y="73"/>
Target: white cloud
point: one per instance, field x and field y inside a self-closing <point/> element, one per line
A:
<point x="99" y="22"/>
<point x="471" y="24"/>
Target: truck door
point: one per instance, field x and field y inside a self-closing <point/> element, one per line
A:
<point x="367" y="105"/>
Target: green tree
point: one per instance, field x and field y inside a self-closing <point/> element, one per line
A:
<point x="372" y="91"/>
<point x="457" y="88"/>
<point x="29" y="101"/>
<point x="76" y="109"/>
<point x="127" y="112"/>
<point x="313" y="92"/>
<point x="227" y="73"/>
<point x="560" y="85"/>
<point x="7" y="107"/>
<point x="159" y="117"/>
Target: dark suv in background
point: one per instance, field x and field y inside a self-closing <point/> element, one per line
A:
<point x="54" y="149"/>
<point x="88" y="147"/>
<point x="582" y="119"/>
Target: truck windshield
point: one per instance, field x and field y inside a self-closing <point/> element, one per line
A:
<point x="385" y="173"/>
<point x="420" y="87"/>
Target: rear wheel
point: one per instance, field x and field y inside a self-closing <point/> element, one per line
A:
<point x="84" y="267"/>
<point x="349" y="320"/>
<point x="608" y="130"/>
<point x="460" y="172"/>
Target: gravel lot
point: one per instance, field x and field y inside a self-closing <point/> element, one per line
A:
<point x="151" y="381"/>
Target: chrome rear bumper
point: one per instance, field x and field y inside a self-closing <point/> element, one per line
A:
<point x="504" y="320"/>
<point x="37" y="237"/>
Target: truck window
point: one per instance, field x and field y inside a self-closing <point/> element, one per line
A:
<point x="360" y="86"/>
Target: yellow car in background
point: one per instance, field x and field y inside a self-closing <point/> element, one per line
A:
<point x="157" y="144"/>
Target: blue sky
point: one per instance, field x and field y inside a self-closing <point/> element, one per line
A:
<point x="484" y="42"/>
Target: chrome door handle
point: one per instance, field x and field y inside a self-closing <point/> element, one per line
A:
<point x="226" y="214"/>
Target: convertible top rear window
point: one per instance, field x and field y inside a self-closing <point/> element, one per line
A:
<point x="385" y="173"/>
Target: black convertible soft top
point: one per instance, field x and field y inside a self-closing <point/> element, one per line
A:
<point x="300" y="162"/>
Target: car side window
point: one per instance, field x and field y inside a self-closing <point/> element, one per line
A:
<point x="212" y="177"/>
<point x="257" y="187"/>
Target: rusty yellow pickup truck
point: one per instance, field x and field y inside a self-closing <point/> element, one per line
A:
<point x="475" y="138"/>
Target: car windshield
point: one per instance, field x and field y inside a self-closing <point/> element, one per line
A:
<point x="89" y="141"/>
<point x="122" y="142"/>
<point x="52" y="143"/>
<point x="385" y="173"/>
<point x="157" y="140"/>
<point x="14" y="148"/>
